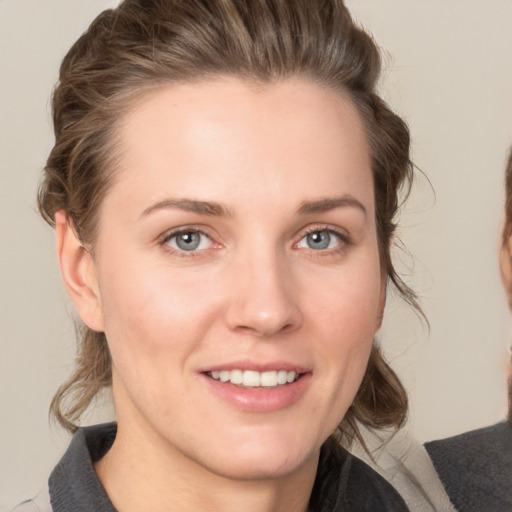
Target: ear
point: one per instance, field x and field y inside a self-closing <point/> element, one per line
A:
<point x="506" y="268"/>
<point x="79" y="273"/>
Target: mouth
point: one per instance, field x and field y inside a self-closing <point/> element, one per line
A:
<point x="255" y="380"/>
<point x="258" y="387"/>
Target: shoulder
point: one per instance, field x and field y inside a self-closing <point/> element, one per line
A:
<point x="488" y="448"/>
<point x="41" y="503"/>
<point x="492" y="438"/>
<point x="378" y="493"/>
<point x="73" y="483"/>
<point x="405" y="464"/>
<point x="346" y="483"/>
<point x="476" y="467"/>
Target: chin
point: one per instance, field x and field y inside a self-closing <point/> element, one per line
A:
<point x="262" y="466"/>
<point x="263" y="456"/>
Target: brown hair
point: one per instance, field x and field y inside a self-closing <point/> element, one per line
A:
<point x="144" y="44"/>
<point x="507" y="228"/>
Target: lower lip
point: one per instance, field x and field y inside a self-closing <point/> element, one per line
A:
<point x="259" y="399"/>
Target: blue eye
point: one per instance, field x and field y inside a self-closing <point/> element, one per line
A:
<point x="319" y="240"/>
<point x="188" y="241"/>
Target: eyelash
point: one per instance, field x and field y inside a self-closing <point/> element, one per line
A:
<point x="167" y="237"/>
<point x="342" y="236"/>
<point x="344" y="240"/>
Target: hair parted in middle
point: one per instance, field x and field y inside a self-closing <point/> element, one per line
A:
<point x="143" y="45"/>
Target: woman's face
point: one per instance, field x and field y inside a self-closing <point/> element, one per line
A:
<point x="238" y="276"/>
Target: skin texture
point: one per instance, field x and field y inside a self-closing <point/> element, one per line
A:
<point x="253" y="293"/>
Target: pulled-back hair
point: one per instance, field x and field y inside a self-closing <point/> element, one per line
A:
<point x="145" y="44"/>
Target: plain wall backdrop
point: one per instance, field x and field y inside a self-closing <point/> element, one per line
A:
<point x="448" y="71"/>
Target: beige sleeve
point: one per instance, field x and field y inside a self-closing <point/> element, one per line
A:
<point x="405" y="464"/>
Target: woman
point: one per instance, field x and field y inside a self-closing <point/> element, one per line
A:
<point x="476" y="467"/>
<point x="223" y="187"/>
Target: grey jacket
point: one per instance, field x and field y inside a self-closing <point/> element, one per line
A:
<point x="476" y="468"/>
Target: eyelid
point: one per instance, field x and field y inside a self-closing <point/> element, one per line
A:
<point x="342" y="233"/>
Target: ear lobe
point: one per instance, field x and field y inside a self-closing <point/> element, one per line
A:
<point x="79" y="273"/>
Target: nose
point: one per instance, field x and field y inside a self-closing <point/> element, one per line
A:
<point x="264" y="299"/>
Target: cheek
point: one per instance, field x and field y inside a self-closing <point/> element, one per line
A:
<point x="347" y="306"/>
<point x="346" y="319"/>
<point x="154" y="317"/>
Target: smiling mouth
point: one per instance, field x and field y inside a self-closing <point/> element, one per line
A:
<point x="254" y="379"/>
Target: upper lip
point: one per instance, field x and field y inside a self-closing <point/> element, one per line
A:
<point x="256" y="366"/>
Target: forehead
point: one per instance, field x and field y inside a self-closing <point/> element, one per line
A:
<point x="287" y="139"/>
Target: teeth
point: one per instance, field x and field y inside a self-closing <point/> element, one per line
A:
<point x="237" y="377"/>
<point x="269" y="379"/>
<point x="282" y="377"/>
<point x="290" y="377"/>
<point x="250" y="378"/>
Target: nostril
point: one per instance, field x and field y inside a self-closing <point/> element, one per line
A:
<point x="264" y="330"/>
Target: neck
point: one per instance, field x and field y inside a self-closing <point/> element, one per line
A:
<point x="141" y="472"/>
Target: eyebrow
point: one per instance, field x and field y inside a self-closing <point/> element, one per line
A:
<point x="218" y="210"/>
<point x="330" y="203"/>
<point x="190" y="205"/>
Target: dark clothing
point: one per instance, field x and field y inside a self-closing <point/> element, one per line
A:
<point x="476" y="468"/>
<point x="73" y="484"/>
<point x="343" y="484"/>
